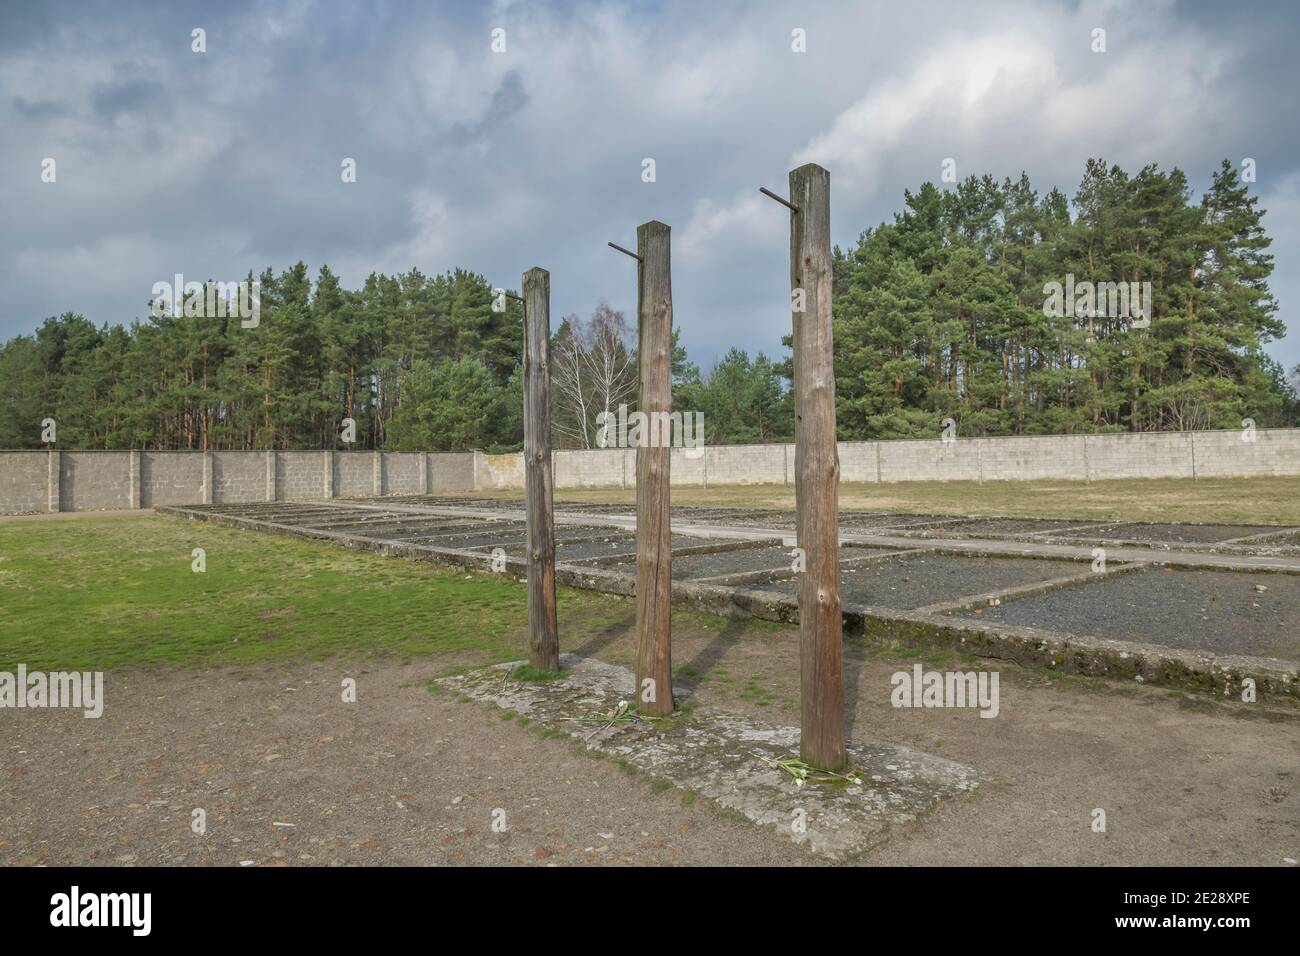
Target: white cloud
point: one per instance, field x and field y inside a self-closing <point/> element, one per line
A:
<point x="747" y="220"/>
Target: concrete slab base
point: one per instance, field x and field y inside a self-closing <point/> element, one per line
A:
<point x="729" y="759"/>
<point x="1182" y="661"/>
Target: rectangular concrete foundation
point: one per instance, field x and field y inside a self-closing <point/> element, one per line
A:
<point x="902" y="580"/>
<point x="729" y="759"/>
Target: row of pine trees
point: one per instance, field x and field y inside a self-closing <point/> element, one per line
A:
<point x="938" y="314"/>
<point x="941" y="312"/>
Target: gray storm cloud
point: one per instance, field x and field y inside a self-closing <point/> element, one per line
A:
<point x="211" y="164"/>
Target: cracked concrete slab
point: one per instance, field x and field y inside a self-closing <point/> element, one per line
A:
<point x="730" y="759"/>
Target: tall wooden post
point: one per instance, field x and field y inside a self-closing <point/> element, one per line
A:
<point x="543" y="631"/>
<point x="654" y="556"/>
<point x="817" y="473"/>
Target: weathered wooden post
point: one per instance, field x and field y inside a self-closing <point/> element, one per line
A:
<point x="654" y="555"/>
<point x="817" y="471"/>
<point x="543" y="631"/>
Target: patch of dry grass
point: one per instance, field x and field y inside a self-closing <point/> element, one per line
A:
<point x="1267" y="501"/>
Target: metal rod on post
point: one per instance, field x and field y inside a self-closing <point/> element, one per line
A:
<point x="626" y="252"/>
<point x="784" y="202"/>
<point x="817" y="472"/>
<point x="654" y="555"/>
<point x="543" y="629"/>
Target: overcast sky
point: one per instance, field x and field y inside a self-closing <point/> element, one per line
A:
<point x="210" y="164"/>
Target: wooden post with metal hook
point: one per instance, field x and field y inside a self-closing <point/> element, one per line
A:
<point x="817" y="471"/>
<point x="654" y="555"/>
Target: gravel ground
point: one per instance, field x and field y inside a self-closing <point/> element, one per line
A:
<point x="442" y="501"/>
<point x="929" y="527"/>
<point x="867" y="523"/>
<point x="290" y="775"/>
<point x="753" y="518"/>
<point x="1011" y="526"/>
<point x="690" y="567"/>
<point x="618" y="542"/>
<point x="597" y="509"/>
<point x="1285" y="538"/>
<point x="1169" y="533"/>
<point x="405" y="526"/>
<point x="502" y="537"/>
<point x="398" y="778"/>
<point x="913" y="581"/>
<point x="1215" y="611"/>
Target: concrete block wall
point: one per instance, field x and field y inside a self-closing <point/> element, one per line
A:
<point x="25" y="481"/>
<point x="1034" y="458"/>
<point x="1063" y="457"/>
<point x="929" y="461"/>
<point x="170" y="478"/>
<point x="859" y="461"/>
<point x="451" y="472"/>
<point x="500" y="471"/>
<point x="1223" y="454"/>
<point x="745" y="465"/>
<point x="1141" y="455"/>
<point x="90" y="481"/>
<point x="403" y="473"/>
<point x="35" y="481"/>
<point x="238" y="476"/>
<point x="354" y="473"/>
<point x="299" y="475"/>
<point x="596" y="468"/>
<point x="682" y="468"/>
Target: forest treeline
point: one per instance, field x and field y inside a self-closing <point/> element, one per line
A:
<point x="938" y="314"/>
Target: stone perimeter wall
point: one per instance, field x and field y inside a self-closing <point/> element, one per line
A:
<point x="38" y="481"/>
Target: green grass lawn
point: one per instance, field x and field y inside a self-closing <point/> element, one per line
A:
<point x="100" y="593"/>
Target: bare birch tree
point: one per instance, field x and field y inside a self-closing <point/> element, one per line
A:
<point x="593" y="370"/>
<point x="569" y="384"/>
